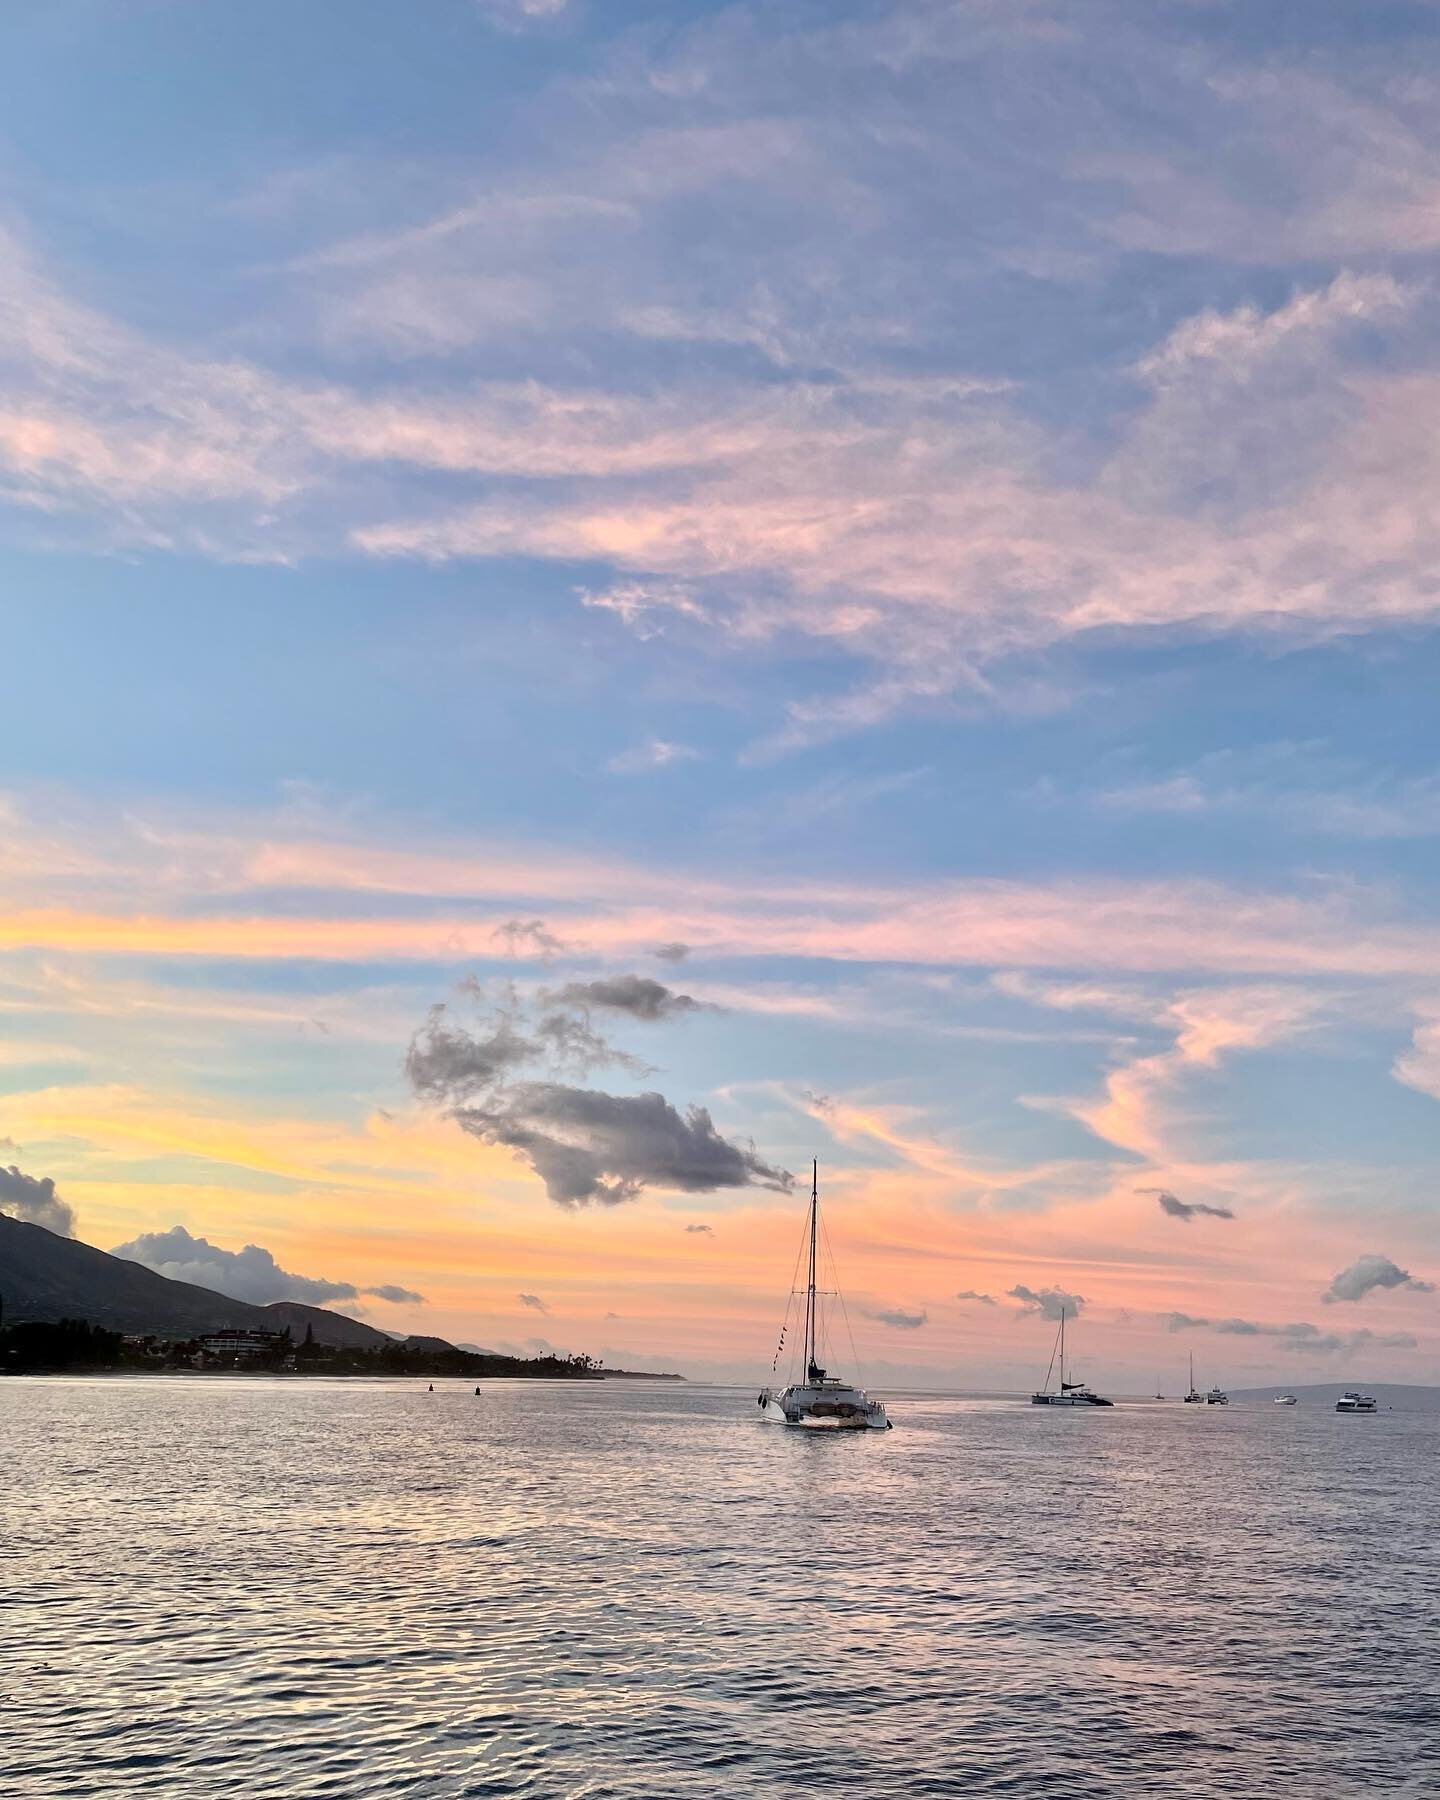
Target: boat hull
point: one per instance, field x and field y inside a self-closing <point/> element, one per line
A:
<point x="1069" y="1400"/>
<point x="812" y="1409"/>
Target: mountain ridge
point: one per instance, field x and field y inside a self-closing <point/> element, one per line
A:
<point x="47" y="1277"/>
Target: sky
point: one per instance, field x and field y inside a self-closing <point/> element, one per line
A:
<point x="848" y="581"/>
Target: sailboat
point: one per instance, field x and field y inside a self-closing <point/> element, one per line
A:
<point x="820" y="1401"/>
<point x="1194" y="1397"/>
<point x="1069" y="1393"/>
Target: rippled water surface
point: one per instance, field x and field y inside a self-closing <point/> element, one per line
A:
<point x="285" y="1589"/>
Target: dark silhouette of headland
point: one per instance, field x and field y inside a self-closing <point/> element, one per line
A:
<point x="65" y="1305"/>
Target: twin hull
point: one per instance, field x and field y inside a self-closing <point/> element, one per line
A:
<point x="824" y="1407"/>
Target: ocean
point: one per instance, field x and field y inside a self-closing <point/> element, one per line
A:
<point x="282" y="1589"/>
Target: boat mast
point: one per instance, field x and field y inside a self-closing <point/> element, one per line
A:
<point x="810" y="1308"/>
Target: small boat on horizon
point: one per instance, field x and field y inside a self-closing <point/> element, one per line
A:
<point x="820" y="1401"/>
<point x="1193" y="1396"/>
<point x="1217" y="1397"/>
<point x="1350" y="1401"/>
<point x="1286" y="1400"/>
<point x="1069" y="1393"/>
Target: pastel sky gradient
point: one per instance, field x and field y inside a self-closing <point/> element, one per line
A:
<point x="933" y="508"/>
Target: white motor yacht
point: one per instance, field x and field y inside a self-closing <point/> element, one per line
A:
<point x="1069" y="1393"/>
<point x="1350" y="1401"/>
<point x="819" y="1401"/>
<point x="1286" y="1400"/>
<point x="1217" y="1397"/>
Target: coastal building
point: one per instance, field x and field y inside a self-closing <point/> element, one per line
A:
<point x="241" y="1346"/>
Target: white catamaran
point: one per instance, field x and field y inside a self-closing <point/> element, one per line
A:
<point x="1069" y="1393"/>
<point x="820" y="1401"/>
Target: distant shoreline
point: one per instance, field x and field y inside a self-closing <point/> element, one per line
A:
<point x="233" y="1374"/>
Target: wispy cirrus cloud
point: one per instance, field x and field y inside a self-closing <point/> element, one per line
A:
<point x="1249" y="466"/>
<point x="654" y="753"/>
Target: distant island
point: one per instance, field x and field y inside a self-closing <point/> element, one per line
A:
<point x="67" y="1306"/>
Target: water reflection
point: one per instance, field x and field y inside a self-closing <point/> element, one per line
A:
<point x="312" y="1588"/>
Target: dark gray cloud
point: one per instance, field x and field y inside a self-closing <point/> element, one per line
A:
<point x="250" y="1274"/>
<point x="1332" y="1343"/>
<point x="635" y="995"/>
<point x="587" y="1146"/>
<point x="522" y="937"/>
<point x="1366" y="1274"/>
<point x="1185" y="1210"/>
<point x="1047" y="1303"/>
<point x="590" y="1146"/>
<point x="675" y="952"/>
<point x="897" y="1318"/>
<point x="970" y="1294"/>
<point x="533" y="1301"/>
<point x="33" y="1199"/>
<point x="700" y="1230"/>
<point x="397" y="1296"/>
<point x="1300" y="1337"/>
<point x="443" y="1063"/>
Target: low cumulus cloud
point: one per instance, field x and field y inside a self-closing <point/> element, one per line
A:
<point x="1300" y="1337"/>
<point x="700" y="1230"/>
<point x="970" y="1294"/>
<point x="529" y="937"/>
<point x="250" y="1274"/>
<point x="636" y="995"/>
<point x="673" y="952"/>
<point x="898" y="1318"/>
<point x="499" y="1083"/>
<point x="1185" y="1210"/>
<point x="397" y="1296"/>
<point x="1046" y="1303"/>
<point x="33" y="1199"/>
<point x="534" y="1302"/>
<point x="1366" y="1274"/>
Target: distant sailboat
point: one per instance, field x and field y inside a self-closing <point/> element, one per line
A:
<point x="1194" y="1397"/>
<point x="1069" y="1393"/>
